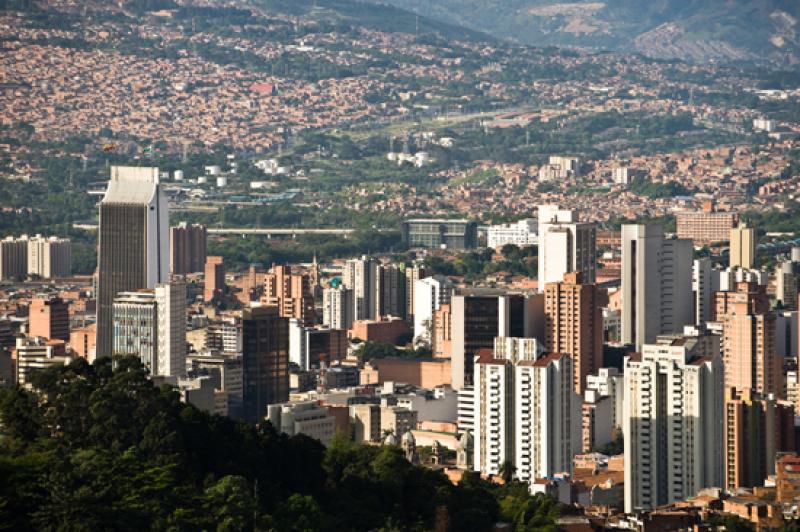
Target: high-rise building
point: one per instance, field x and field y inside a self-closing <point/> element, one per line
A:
<point x="756" y="428"/>
<point x="574" y="325"/>
<point x="360" y="275"/>
<point x="749" y="341"/>
<point x="187" y="248"/>
<point x="442" y="333"/>
<point x="151" y="325"/>
<point x="705" y="281"/>
<point x="435" y="234"/>
<point x="743" y="247"/>
<point x="525" y="412"/>
<point x="673" y="420"/>
<point x="565" y="245"/>
<point x="705" y="226"/>
<point x="310" y="347"/>
<point x="430" y="293"/>
<point x="265" y="369"/>
<point x="133" y="242"/>
<point x="214" y="278"/>
<point x="656" y="284"/>
<point x="391" y="290"/>
<point x="786" y="285"/>
<point x="337" y="307"/>
<point x="413" y="274"/>
<point x="477" y="316"/>
<point x="49" y="257"/>
<point x="49" y="317"/>
<point x="291" y="293"/>
<point x="13" y="258"/>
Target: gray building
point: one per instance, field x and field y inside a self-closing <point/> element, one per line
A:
<point x="435" y="234"/>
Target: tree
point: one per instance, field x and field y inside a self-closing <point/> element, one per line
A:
<point x="507" y="470"/>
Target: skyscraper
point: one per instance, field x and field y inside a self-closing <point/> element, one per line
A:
<point x="429" y="294"/>
<point x="187" y="248"/>
<point x="565" y="245"/>
<point x="337" y="307"/>
<point x="214" y="278"/>
<point x="656" y="284"/>
<point x="291" y="293"/>
<point x="743" y="247"/>
<point x="574" y="325"/>
<point x="49" y="257"/>
<point x="673" y="420"/>
<point x="360" y="275"/>
<point x="265" y="356"/>
<point x="13" y="258"/>
<point x="413" y="274"/>
<point x="391" y="290"/>
<point x="133" y="242"/>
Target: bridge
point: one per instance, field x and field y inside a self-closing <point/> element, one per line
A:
<point x="283" y="231"/>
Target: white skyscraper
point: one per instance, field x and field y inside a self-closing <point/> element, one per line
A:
<point x="705" y="281"/>
<point x="360" y="275"/>
<point x="565" y="245"/>
<point x="656" y="284"/>
<point x="337" y="307"/>
<point x="525" y="411"/>
<point x="429" y="294"/>
<point x="171" y="305"/>
<point x="133" y="241"/>
<point x="673" y="420"/>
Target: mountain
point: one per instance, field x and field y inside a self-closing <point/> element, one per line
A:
<point x="756" y="31"/>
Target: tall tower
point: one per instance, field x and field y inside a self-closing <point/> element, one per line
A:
<point x="656" y="284"/>
<point x="133" y="242"/>
<point x="574" y="325"/>
<point x="360" y="275"/>
<point x="565" y="245"/>
<point x="265" y="357"/>
<point x="743" y="247"/>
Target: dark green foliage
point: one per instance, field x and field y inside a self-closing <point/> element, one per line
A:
<point x="659" y="190"/>
<point x="96" y="447"/>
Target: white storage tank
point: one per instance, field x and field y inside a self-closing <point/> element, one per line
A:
<point x="178" y="175"/>
<point x="222" y="181"/>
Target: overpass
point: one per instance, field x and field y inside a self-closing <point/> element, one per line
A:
<point x="283" y="231"/>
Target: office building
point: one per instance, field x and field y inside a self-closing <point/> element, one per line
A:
<point x="756" y="429"/>
<point x="430" y="293"/>
<point x="13" y="258"/>
<point x="49" y="318"/>
<point x="705" y="226"/>
<point x="151" y="325"/>
<point x="523" y="233"/>
<point x="265" y="360"/>
<point x="440" y="234"/>
<point x="34" y="353"/>
<point x="291" y="293"/>
<point x="83" y="340"/>
<point x="786" y="285"/>
<point x="187" y="248"/>
<point x="304" y="417"/>
<point x="360" y="276"/>
<point x="50" y="257"/>
<point x="656" y="284"/>
<point x="133" y="242"/>
<point x="574" y="325"/>
<point x="337" y="307"/>
<point x="413" y="274"/>
<point x="366" y="421"/>
<point x="673" y="421"/>
<point x="749" y="341"/>
<point x="565" y="245"/>
<point x="224" y="335"/>
<point x="705" y="281"/>
<point x="313" y="347"/>
<point x="477" y="316"/>
<point x="742" y="247"/>
<point x="442" y="335"/>
<point x="225" y="371"/>
<point x="214" y="278"/>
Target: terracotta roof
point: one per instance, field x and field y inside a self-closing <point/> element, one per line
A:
<point x="548" y="358"/>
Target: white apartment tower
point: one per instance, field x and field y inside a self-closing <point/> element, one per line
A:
<point x="337" y="307"/>
<point x="49" y="257"/>
<point x="656" y="284"/>
<point x="565" y="245"/>
<point x="673" y="420"/>
<point x="429" y="294"/>
<point x="360" y="275"/>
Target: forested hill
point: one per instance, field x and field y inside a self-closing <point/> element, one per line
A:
<point x="95" y="448"/>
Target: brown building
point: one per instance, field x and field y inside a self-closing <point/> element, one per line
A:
<point x="187" y="248"/>
<point x="574" y="325"/>
<point x="756" y="428"/>
<point x="748" y="341"/>
<point x="608" y="239"/>
<point x="426" y="373"/>
<point x="787" y="478"/>
<point x="265" y="360"/>
<point x="705" y="226"/>
<point x="49" y="318"/>
<point x="82" y="341"/>
<point x="251" y="285"/>
<point x="442" y="332"/>
<point x="389" y="330"/>
<point x="291" y="293"/>
<point x="214" y="278"/>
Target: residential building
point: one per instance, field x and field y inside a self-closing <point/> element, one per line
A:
<point x="337" y="307"/>
<point x="523" y="233"/>
<point x="34" y="353"/>
<point x="705" y="226"/>
<point x="366" y="420"/>
<point x="565" y="245"/>
<point x="704" y="283"/>
<point x="214" y="278"/>
<point x="390" y="298"/>
<point x="13" y="258"/>
<point x="304" y="417"/>
<point x="50" y="257"/>
<point x="133" y="242"/>
<point x="430" y="293"/>
<point x="291" y="293"/>
<point x="574" y="324"/>
<point x="656" y="284"/>
<point x="413" y="273"/>
<point x="742" y="253"/>
<point x="49" y="318"/>
<point x="265" y="360"/>
<point x="360" y="276"/>
<point x="82" y="341"/>
<point x="314" y="347"/>
<point x="673" y="420"/>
